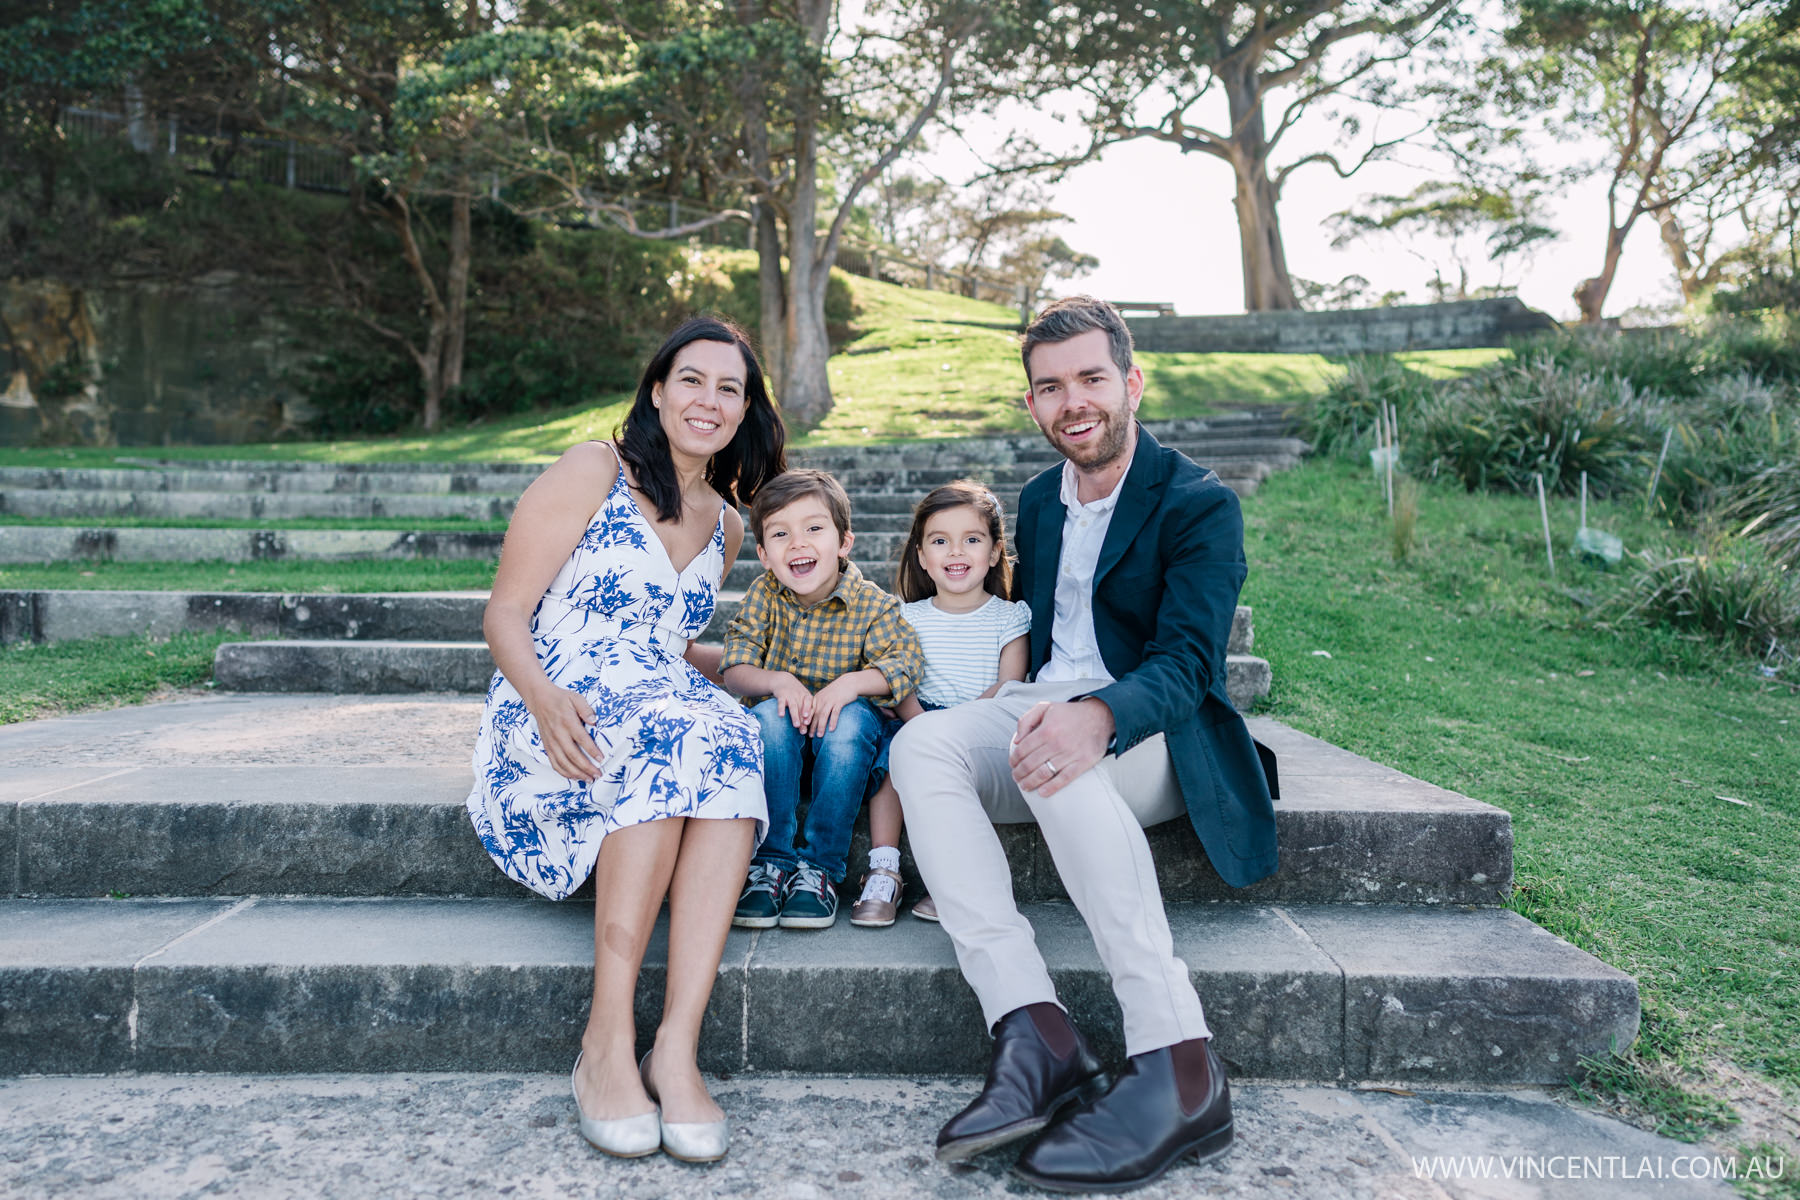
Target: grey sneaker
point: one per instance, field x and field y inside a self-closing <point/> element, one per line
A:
<point x="760" y="905"/>
<point x="811" y="901"/>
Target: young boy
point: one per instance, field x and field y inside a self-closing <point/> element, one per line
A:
<point x="818" y="640"/>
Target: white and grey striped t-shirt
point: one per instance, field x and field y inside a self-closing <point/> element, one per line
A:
<point x="962" y="650"/>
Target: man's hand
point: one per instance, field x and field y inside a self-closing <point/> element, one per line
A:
<point x="830" y="702"/>
<point x="792" y="700"/>
<point x="1059" y="742"/>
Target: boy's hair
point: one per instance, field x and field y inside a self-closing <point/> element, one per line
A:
<point x="1073" y="316"/>
<point x="912" y="581"/>
<point x="790" y="486"/>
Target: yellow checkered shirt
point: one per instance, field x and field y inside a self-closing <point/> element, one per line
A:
<point x="856" y="627"/>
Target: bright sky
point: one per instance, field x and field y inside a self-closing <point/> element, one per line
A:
<point x="1163" y="227"/>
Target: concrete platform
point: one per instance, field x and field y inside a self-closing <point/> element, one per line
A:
<point x="794" y="1137"/>
<point x="1350" y="831"/>
<point x="1326" y="992"/>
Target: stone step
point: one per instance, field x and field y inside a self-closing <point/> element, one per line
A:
<point x="386" y="667"/>
<point x="1350" y="830"/>
<point x="99" y="504"/>
<point x="497" y="479"/>
<point x="1327" y="992"/>
<point x="57" y="616"/>
<point x="67" y="543"/>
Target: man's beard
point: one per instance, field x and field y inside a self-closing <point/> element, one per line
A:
<point x="1106" y="447"/>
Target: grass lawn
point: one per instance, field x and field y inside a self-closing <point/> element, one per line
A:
<point x="431" y="524"/>
<point x="45" y="681"/>
<point x="921" y="364"/>
<point x="1615" y="752"/>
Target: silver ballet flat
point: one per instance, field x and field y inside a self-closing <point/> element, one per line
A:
<point x="627" y="1137"/>
<point x="692" y="1141"/>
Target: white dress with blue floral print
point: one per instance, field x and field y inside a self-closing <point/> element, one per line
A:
<point x="612" y="627"/>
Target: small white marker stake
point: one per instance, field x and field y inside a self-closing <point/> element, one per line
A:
<point x="1544" y="512"/>
<point x="1656" y="477"/>
<point x="1584" y="499"/>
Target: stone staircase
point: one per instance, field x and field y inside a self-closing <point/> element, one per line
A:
<point x="402" y="643"/>
<point x="320" y="915"/>
<point x="278" y="905"/>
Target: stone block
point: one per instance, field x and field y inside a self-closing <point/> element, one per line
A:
<point x="66" y="988"/>
<point x="1482" y="996"/>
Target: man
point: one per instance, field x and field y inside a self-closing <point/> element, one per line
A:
<point x="1131" y="557"/>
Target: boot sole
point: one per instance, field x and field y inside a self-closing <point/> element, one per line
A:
<point x="969" y="1147"/>
<point x="1210" y="1148"/>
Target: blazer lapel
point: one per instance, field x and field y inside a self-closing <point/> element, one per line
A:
<point x="1137" y="500"/>
<point x="1046" y="556"/>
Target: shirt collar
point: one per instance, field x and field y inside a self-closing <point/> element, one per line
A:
<point x="849" y="582"/>
<point x="1107" y="502"/>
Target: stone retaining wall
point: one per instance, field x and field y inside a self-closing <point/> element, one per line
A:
<point x="1452" y="326"/>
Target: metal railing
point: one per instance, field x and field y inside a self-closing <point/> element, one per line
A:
<point x="280" y="161"/>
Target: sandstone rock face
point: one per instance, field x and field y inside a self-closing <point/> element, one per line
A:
<point x="147" y="363"/>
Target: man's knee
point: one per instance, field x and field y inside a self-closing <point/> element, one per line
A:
<point x="923" y="739"/>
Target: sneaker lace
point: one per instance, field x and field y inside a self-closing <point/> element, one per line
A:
<point x="808" y="878"/>
<point x="878" y="887"/>
<point x="764" y="878"/>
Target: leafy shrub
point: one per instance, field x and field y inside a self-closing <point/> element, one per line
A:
<point x="1732" y="590"/>
<point x="1499" y="427"/>
<point x="1342" y="420"/>
<point x="1667" y="362"/>
<point x="1767" y="346"/>
<point x="1766" y="506"/>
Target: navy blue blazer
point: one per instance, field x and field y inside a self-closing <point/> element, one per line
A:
<point x="1165" y="591"/>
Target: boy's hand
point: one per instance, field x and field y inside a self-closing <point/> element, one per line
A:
<point x="792" y="700"/>
<point x="830" y="702"/>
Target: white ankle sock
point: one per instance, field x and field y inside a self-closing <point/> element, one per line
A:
<point x="884" y="858"/>
<point x="879" y="887"/>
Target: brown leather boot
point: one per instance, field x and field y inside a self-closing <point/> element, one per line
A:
<point x="1166" y="1104"/>
<point x="1041" y="1063"/>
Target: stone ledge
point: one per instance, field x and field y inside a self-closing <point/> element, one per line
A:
<point x="1347" y="832"/>
<point x="1303" y="992"/>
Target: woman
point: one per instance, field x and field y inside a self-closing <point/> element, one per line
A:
<point x="603" y="748"/>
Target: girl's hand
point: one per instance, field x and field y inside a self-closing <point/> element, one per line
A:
<point x="792" y="700"/>
<point x="830" y="702"/>
<point x="564" y="723"/>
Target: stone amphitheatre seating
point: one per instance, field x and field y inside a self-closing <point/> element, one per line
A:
<point x="339" y="915"/>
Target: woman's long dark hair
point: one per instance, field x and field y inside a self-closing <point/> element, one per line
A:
<point x="912" y="581"/>
<point x="755" y="454"/>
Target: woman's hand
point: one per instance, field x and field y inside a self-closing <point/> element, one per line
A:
<point x="564" y="724"/>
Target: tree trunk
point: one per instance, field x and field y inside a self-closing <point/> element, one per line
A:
<point x="1267" y="284"/>
<point x="456" y="300"/>
<point x="1590" y="296"/>
<point x="806" y="384"/>
<point x="1694" y="280"/>
<point x="772" y="296"/>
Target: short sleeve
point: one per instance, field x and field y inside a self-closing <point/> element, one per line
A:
<point x="1016" y="621"/>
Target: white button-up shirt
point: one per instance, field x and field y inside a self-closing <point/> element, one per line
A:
<point x="1074" y="650"/>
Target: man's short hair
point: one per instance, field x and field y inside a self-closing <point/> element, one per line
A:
<point x="790" y="486"/>
<point x="1073" y="316"/>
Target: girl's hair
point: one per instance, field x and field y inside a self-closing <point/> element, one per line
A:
<point x="911" y="581"/>
<point x="755" y="454"/>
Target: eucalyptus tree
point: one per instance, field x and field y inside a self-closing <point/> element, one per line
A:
<point x="800" y="112"/>
<point x="1231" y="81"/>
<point x="1647" y="79"/>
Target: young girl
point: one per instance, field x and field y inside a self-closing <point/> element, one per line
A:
<point x="954" y="576"/>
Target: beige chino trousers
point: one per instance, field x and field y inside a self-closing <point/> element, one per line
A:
<point x="955" y="783"/>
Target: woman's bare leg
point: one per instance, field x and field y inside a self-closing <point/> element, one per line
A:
<point x="708" y="875"/>
<point x="630" y="881"/>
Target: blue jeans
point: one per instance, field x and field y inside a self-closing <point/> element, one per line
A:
<point x="840" y="777"/>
